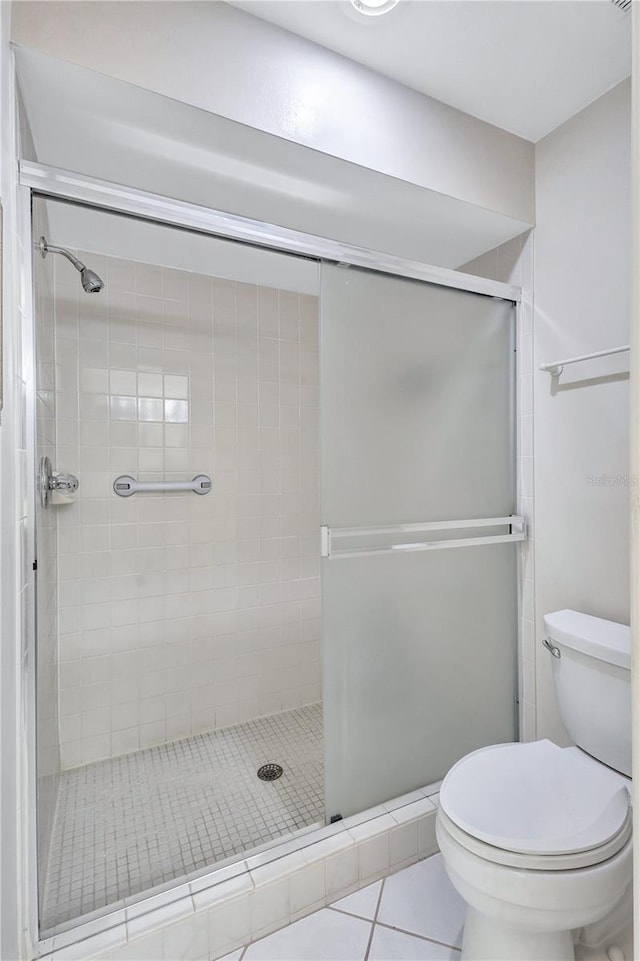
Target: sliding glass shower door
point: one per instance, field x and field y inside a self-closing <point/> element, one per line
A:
<point x="419" y="564"/>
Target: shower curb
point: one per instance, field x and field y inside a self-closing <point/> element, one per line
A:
<point x="205" y="919"/>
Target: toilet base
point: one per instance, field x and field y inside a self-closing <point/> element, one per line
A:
<point x="486" y="940"/>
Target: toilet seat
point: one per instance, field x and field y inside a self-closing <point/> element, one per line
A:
<point x="540" y="862"/>
<point x="537" y="806"/>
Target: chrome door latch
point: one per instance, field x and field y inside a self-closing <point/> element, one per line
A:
<point x="48" y="482"/>
<point x="551" y="647"/>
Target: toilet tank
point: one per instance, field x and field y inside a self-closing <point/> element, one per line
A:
<point x="592" y="678"/>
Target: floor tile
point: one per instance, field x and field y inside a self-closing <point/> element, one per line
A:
<point x="363" y="902"/>
<point x="624" y="941"/>
<point x="389" y="945"/>
<point x="126" y="825"/>
<point x="422" y="900"/>
<point x="324" y="936"/>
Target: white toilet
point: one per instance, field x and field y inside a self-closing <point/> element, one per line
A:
<point x="537" y="838"/>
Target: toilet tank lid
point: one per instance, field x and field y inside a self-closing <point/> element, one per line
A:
<point x="605" y="640"/>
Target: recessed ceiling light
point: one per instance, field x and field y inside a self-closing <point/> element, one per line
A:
<point x="373" y="8"/>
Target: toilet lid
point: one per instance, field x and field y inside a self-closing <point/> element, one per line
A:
<point x="535" y="798"/>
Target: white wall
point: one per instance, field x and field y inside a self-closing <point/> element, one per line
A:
<point x="9" y="651"/>
<point x="582" y="304"/>
<point x="16" y="581"/>
<point x="235" y="65"/>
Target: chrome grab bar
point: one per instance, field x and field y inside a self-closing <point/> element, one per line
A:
<point x="517" y="532"/>
<point x="125" y="485"/>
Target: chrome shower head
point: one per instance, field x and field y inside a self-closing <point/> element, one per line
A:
<point x="91" y="283"/>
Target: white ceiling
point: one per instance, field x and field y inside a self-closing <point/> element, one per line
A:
<point x="523" y="65"/>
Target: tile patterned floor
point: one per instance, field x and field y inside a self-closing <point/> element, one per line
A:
<point x="414" y="915"/>
<point x="128" y="824"/>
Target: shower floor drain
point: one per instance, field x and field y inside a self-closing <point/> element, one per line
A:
<point x="270" y="772"/>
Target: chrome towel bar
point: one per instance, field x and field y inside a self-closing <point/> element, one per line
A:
<point x="125" y="486"/>
<point x="517" y="532"/>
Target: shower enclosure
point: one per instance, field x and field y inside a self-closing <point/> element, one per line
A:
<point x="251" y="413"/>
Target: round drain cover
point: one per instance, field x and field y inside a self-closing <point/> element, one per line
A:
<point x="270" y="772"/>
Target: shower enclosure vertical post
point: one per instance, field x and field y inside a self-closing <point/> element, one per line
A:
<point x="635" y="453"/>
<point x="28" y="627"/>
<point x="515" y="459"/>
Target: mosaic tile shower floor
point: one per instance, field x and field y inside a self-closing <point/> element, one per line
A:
<point x="125" y="825"/>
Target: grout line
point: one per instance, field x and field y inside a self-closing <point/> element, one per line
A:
<point x="375" y="916"/>
<point x="373" y="925"/>
<point x="414" y="934"/>
<point x="348" y="914"/>
<point x="366" y="953"/>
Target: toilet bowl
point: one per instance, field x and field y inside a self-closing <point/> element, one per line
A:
<point x="537" y="838"/>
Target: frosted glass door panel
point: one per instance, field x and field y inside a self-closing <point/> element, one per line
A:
<point x="420" y="667"/>
<point x="416" y="427"/>
<point x="416" y="401"/>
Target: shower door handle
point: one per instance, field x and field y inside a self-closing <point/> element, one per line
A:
<point x="393" y="543"/>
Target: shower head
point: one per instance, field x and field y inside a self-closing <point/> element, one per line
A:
<point x="91" y="283"/>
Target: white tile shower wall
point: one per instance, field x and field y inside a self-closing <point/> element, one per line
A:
<point x="47" y="739"/>
<point x="178" y="613"/>
<point x="513" y="263"/>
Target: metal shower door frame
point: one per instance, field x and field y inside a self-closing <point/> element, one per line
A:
<point x="40" y="180"/>
<point x="46" y="181"/>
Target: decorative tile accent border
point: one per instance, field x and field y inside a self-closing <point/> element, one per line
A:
<point x="221" y="911"/>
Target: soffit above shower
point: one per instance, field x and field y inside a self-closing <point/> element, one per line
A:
<point x="525" y="66"/>
<point x="224" y="61"/>
<point x="89" y="123"/>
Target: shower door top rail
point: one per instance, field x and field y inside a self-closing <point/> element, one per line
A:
<point x="53" y="182"/>
<point x="517" y="532"/>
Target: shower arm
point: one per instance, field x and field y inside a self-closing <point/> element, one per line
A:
<point x="44" y="247"/>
